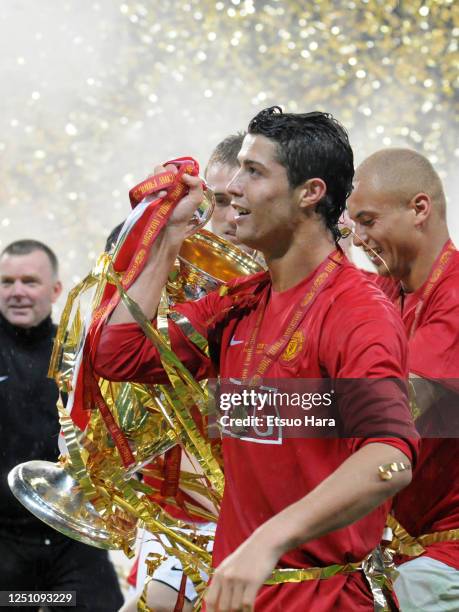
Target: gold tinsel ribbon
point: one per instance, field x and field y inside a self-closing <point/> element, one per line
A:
<point x="404" y="544"/>
<point x="377" y="580"/>
<point x="185" y="325"/>
<point x="153" y="561"/>
<point x="449" y="535"/>
<point x="279" y="576"/>
<point x="78" y="470"/>
<point x="109" y="492"/>
<point x="186" y="391"/>
<point x="77" y="465"/>
<point x="372" y="567"/>
<point x="59" y="341"/>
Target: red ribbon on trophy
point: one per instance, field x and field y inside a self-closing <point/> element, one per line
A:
<point x="128" y="263"/>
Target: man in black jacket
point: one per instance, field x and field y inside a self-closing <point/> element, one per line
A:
<point x="34" y="557"/>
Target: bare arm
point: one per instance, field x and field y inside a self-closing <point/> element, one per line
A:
<point x="146" y="289"/>
<point x="351" y="492"/>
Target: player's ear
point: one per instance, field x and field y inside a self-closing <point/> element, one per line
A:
<point x="311" y="192"/>
<point x="421" y="205"/>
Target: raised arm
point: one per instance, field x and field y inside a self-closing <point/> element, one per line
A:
<point x="124" y="352"/>
<point x="147" y="288"/>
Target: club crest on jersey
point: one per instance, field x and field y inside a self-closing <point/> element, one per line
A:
<point x="294" y="347"/>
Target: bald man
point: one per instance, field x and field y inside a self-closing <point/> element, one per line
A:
<point x="398" y="206"/>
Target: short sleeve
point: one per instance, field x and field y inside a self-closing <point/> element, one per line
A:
<point x="365" y="352"/>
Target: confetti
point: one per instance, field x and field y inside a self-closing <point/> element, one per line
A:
<point x="96" y="93"/>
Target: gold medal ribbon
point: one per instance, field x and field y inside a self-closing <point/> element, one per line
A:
<point x="437" y="272"/>
<point x="321" y="279"/>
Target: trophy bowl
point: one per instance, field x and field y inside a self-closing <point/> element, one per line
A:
<point x="53" y="496"/>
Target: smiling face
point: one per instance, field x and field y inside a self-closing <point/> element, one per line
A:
<point x="265" y="204"/>
<point x="385" y="227"/>
<point x="28" y="288"/>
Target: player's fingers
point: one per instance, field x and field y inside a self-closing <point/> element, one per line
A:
<point x="192" y="181"/>
<point x="212" y="595"/>
<point x="160" y="169"/>
<point x="248" y="598"/>
<point x="236" y="597"/>
<point x="225" y="597"/>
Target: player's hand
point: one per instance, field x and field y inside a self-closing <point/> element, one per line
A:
<point x="182" y="216"/>
<point x="238" y="578"/>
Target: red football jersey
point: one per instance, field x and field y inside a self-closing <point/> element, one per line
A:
<point x="351" y="331"/>
<point x="431" y="502"/>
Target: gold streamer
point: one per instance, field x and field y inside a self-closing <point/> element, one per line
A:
<point x="77" y="465"/>
<point x="186" y="392"/>
<point x="195" y="337"/>
<point x="405" y="544"/>
<point x="61" y="333"/>
<point x="279" y="576"/>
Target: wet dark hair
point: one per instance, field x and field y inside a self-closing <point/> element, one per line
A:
<point x="24" y="247"/>
<point x="312" y="145"/>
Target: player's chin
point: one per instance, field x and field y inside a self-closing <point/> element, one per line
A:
<point x="383" y="269"/>
<point x="246" y="238"/>
<point x="246" y="246"/>
<point x="231" y="238"/>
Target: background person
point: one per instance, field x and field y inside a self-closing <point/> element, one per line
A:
<point x="399" y="209"/>
<point x="221" y="168"/>
<point x="34" y="556"/>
